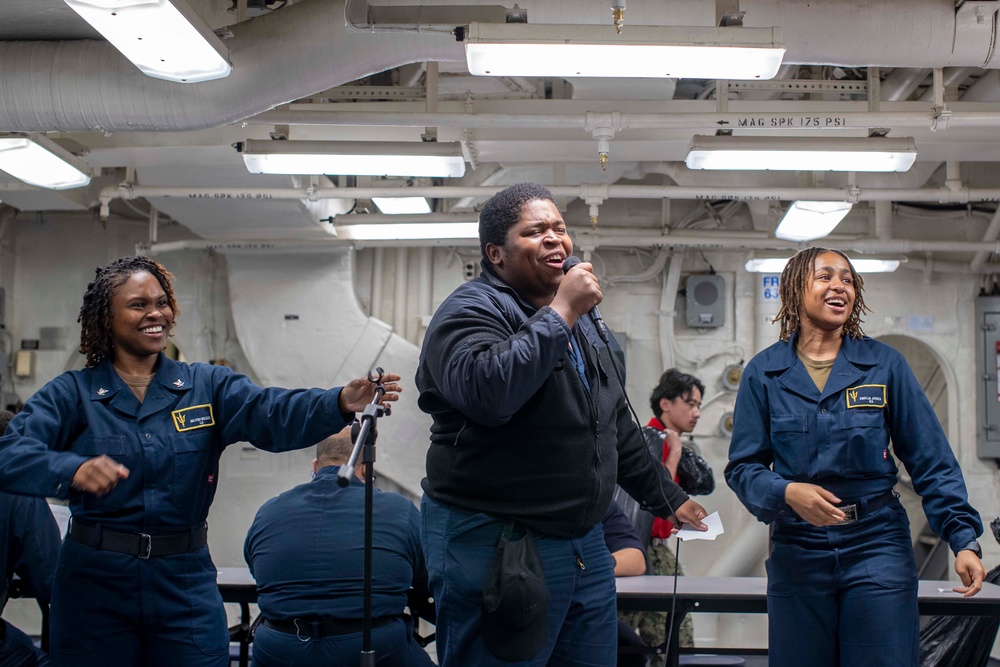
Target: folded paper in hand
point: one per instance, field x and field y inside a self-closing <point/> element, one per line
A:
<point x="714" y="523"/>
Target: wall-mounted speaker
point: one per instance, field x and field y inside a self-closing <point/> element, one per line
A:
<point x="706" y="301"/>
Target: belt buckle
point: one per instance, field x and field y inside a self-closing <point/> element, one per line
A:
<point x="145" y="546"/>
<point x="850" y="514"/>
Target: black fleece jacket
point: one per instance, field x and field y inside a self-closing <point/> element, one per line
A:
<point x="516" y="433"/>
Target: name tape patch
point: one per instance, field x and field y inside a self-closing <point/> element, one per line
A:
<point x="866" y="396"/>
<point x="197" y="416"/>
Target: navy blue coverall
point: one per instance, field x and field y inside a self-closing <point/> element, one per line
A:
<point x="111" y="608"/>
<point x="845" y="594"/>
<point x="31" y="547"/>
<point x="305" y="549"/>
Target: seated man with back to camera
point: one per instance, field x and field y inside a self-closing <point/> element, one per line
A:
<point x="306" y="551"/>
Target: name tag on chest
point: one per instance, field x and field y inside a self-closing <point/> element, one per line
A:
<point x="866" y="396"/>
<point x="197" y="416"/>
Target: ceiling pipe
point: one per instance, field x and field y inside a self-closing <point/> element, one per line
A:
<point x="954" y="195"/>
<point x="800" y="120"/>
<point x="951" y="78"/>
<point x="614" y="238"/>
<point x="901" y="83"/>
<point x="721" y="244"/>
<point x="985" y="89"/>
<point x="883" y="220"/>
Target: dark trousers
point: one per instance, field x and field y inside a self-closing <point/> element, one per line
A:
<point x="115" y="610"/>
<point x="630" y="639"/>
<point x="459" y="546"/>
<point x="393" y="645"/>
<point x="843" y="596"/>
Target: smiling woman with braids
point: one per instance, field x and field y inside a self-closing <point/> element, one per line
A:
<point x="95" y="314"/>
<point x="810" y="455"/>
<point x="133" y="441"/>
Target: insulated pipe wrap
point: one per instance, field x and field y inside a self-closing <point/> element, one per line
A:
<point x="291" y="53"/>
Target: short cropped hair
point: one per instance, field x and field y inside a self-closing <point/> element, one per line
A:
<point x="336" y="449"/>
<point x="5" y="417"/>
<point x="672" y="384"/>
<point x="503" y="210"/>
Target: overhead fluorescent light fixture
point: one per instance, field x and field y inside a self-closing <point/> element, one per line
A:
<point x="358" y="158"/>
<point x="801" y="153"/>
<point x="413" y="231"/>
<point x="37" y="160"/>
<point x="402" y="205"/>
<point x="523" y="49"/>
<point x="862" y="265"/>
<point x="875" y="265"/>
<point x="808" y="220"/>
<point x="766" y="264"/>
<point x="165" y="39"/>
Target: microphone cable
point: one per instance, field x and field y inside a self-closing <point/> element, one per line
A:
<point x="673" y="609"/>
<point x="677" y="549"/>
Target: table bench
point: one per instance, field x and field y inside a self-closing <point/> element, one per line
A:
<point x="748" y="595"/>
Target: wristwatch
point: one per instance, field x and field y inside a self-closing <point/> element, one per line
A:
<point x="974" y="547"/>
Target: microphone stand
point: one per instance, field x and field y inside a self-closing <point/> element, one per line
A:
<point x="363" y="438"/>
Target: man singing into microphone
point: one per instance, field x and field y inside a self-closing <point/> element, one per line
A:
<point x="530" y="434"/>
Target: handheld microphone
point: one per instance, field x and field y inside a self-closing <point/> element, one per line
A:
<point x="595" y="314"/>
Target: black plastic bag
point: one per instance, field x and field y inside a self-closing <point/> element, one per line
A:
<point x="694" y="474"/>
<point x="961" y="641"/>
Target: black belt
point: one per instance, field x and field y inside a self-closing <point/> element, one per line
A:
<point x="139" y="545"/>
<point x="862" y="507"/>
<point x="301" y="627"/>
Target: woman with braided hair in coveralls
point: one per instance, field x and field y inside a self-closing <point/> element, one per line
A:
<point x="133" y="441"/>
<point x="810" y="456"/>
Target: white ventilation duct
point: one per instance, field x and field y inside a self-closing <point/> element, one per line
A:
<point x="303" y="303"/>
<point x="885" y="33"/>
<point x="299" y="50"/>
<point x="306" y="47"/>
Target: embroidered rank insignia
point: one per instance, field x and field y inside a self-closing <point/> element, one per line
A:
<point x="102" y="391"/>
<point x="866" y="396"/>
<point x="197" y="416"/>
<point x="178" y="383"/>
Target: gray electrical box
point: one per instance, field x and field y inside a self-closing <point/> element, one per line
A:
<point x="706" y="301"/>
<point x="988" y="365"/>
